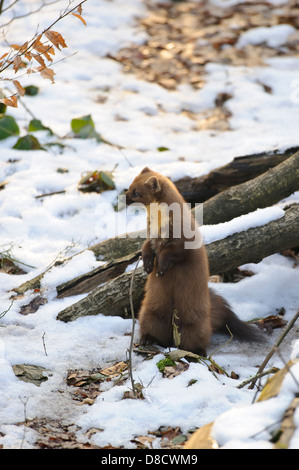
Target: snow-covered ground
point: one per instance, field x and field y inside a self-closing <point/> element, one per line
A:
<point x="139" y="117"/>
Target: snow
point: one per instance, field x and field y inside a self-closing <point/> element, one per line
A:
<point x="140" y="117"/>
<point x="274" y="36"/>
<point x="256" y="218"/>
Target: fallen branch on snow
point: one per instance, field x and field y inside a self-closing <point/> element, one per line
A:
<point x="250" y="246"/>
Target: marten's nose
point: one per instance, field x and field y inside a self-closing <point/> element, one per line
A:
<point x="128" y="198"/>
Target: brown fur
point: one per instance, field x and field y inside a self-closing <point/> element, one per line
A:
<point x="178" y="278"/>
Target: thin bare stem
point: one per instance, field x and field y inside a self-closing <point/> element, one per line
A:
<point x="32" y="41"/>
<point x="133" y="329"/>
<point x="275" y="347"/>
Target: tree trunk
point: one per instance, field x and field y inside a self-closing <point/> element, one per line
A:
<point x="241" y="169"/>
<point x="87" y="282"/>
<point x="262" y="191"/>
<point x="249" y="246"/>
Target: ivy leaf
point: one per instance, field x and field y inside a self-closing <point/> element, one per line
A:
<point x="37" y="125"/>
<point x="8" y="127"/>
<point x="83" y="127"/>
<point x="28" y="142"/>
<point x="31" y="90"/>
<point x="96" y="181"/>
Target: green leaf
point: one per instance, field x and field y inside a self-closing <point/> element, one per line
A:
<point x="96" y="181"/>
<point x="164" y="363"/>
<point x="37" y="125"/>
<point x="31" y="90"/>
<point x="83" y="127"/>
<point x="8" y="127"/>
<point x="107" y="179"/>
<point x="28" y="142"/>
<point x="163" y="149"/>
<point x="2" y="108"/>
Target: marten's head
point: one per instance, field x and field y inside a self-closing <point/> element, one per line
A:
<point x="145" y="188"/>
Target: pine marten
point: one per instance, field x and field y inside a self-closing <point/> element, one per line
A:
<point x="177" y="296"/>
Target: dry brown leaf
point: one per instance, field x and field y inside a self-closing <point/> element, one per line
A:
<point x="28" y="56"/>
<point x="4" y="55"/>
<point x="17" y="62"/>
<point x="274" y="383"/>
<point x="11" y="101"/>
<point x="202" y="439"/>
<point x="39" y="59"/>
<point x="47" y="73"/>
<point x="115" y="370"/>
<point x="77" y="15"/>
<point x="144" y="440"/>
<point x="19" y="87"/>
<point x="170" y="372"/>
<point x="21" y="49"/>
<point x="44" y="49"/>
<point x="270" y="323"/>
<point x="55" y="39"/>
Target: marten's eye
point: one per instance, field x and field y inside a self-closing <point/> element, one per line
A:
<point x="136" y="193"/>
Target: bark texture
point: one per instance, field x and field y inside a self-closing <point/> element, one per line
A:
<point x="249" y="246"/>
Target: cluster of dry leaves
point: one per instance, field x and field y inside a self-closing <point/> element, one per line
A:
<point x="35" y="56"/>
<point x="185" y="36"/>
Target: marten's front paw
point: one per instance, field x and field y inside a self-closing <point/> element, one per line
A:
<point x="148" y="263"/>
<point x="162" y="269"/>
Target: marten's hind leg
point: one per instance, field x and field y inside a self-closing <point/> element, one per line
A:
<point x="192" y="339"/>
<point x="153" y="328"/>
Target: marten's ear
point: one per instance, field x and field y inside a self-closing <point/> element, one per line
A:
<point x="153" y="183"/>
<point x="145" y="170"/>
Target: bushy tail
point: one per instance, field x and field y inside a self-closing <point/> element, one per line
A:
<point x="222" y="317"/>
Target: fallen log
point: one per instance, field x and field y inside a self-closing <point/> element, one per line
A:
<point x="262" y="191"/>
<point x="250" y="246"/>
<point x="239" y="170"/>
<point x="87" y="282"/>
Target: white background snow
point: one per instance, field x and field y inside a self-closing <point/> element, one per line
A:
<point x="39" y="230"/>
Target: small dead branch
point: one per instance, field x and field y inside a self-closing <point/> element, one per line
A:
<point x="274" y="348"/>
<point x="133" y="330"/>
<point x="258" y="376"/>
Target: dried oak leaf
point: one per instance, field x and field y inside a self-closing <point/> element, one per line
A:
<point x="202" y="439"/>
<point x="11" y="101"/>
<point x="19" y="87"/>
<point x="47" y="73"/>
<point x="55" y="39"/>
<point x="80" y="18"/>
<point x="33" y="306"/>
<point x="270" y="323"/>
<point x="114" y="371"/>
<point x="17" y="62"/>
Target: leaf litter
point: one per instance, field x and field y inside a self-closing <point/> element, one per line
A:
<point x="87" y="379"/>
<point x="185" y="36"/>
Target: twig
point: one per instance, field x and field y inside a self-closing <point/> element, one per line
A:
<point x="32" y="41"/>
<point x="2" y="314"/>
<point x="50" y="194"/>
<point x="1" y="6"/>
<point x="29" y="13"/>
<point x="225" y="344"/>
<point x="288" y="369"/>
<point x="133" y="329"/>
<point x="44" y="344"/>
<point x="24" y="402"/>
<point x="258" y="376"/>
<point x="275" y="347"/>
